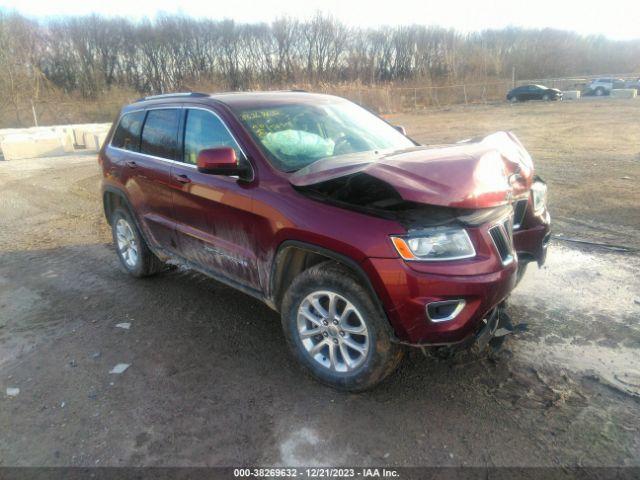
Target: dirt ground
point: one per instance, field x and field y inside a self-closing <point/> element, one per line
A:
<point x="211" y="383"/>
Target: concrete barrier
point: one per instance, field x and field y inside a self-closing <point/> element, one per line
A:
<point x="93" y="140"/>
<point x="18" y="146"/>
<point x="571" y="95"/>
<point x="624" y="93"/>
<point x="89" y="135"/>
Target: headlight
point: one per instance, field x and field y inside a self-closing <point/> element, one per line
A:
<point x="539" y="192"/>
<point x="435" y="245"/>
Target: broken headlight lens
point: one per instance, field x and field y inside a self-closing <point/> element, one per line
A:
<point x="435" y="245"/>
<point x="539" y="193"/>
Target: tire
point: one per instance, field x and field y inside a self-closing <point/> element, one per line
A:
<point x="522" y="269"/>
<point x="599" y="92"/>
<point x="546" y="97"/>
<point x="513" y="99"/>
<point x="374" y="357"/>
<point x="130" y="246"/>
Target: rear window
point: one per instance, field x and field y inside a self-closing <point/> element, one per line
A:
<point x="160" y="133"/>
<point x="127" y="135"/>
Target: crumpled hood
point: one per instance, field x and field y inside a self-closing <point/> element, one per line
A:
<point x="470" y="174"/>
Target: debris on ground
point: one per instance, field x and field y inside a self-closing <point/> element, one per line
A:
<point x="119" y="368"/>
<point x="124" y="325"/>
<point x="606" y="246"/>
<point x="12" y="392"/>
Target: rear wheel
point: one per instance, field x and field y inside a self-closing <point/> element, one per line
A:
<point x="546" y="97"/>
<point x="599" y="91"/>
<point x="513" y="99"/>
<point x="335" y="330"/>
<point x="132" y="250"/>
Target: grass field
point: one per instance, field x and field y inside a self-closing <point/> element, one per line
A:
<point x="587" y="151"/>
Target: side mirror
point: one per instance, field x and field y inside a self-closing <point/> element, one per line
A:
<point x="219" y="161"/>
<point x="401" y="129"/>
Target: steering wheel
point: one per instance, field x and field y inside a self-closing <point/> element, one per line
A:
<point x="343" y="145"/>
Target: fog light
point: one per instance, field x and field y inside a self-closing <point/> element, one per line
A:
<point x="445" y="310"/>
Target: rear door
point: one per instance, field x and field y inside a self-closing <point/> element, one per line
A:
<point x="147" y="174"/>
<point x="214" y="221"/>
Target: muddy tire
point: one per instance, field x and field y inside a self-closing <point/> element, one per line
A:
<point x="131" y="248"/>
<point x="335" y="330"/>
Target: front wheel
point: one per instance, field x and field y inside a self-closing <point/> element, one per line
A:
<point x="546" y="97"/>
<point x="335" y="330"/>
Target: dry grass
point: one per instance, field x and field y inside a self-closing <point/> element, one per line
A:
<point x="588" y="152"/>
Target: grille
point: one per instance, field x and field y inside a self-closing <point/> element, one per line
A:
<point x="519" y="209"/>
<point x="502" y="236"/>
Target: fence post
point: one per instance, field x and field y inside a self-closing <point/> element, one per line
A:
<point x="415" y="99"/>
<point x="35" y="117"/>
<point x="388" y="89"/>
<point x="464" y="89"/>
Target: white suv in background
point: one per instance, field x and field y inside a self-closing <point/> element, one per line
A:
<point x="603" y="86"/>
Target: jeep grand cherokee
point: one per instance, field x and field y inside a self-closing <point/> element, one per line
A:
<point x="363" y="240"/>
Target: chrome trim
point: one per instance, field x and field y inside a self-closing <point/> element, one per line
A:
<point x="502" y="226"/>
<point x="183" y="164"/>
<point x="516" y="226"/>
<point x="460" y="305"/>
<point x="182" y="107"/>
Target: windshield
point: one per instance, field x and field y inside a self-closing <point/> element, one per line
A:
<point x="296" y="135"/>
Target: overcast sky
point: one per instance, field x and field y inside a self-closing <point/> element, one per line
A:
<point x="618" y="19"/>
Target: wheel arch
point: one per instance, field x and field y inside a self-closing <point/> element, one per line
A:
<point x="113" y="198"/>
<point x="294" y="256"/>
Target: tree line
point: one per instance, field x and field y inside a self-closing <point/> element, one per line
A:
<point x="89" y="55"/>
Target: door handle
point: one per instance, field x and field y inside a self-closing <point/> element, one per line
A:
<point x="182" y="178"/>
<point x="131" y="164"/>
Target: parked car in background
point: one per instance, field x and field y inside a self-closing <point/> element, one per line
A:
<point x="533" y="92"/>
<point x="633" y="84"/>
<point x="603" y="86"/>
<point x="365" y="241"/>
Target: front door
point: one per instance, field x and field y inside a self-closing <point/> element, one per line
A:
<point x="214" y="221"/>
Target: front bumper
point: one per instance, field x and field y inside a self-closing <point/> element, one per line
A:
<point x="405" y="293"/>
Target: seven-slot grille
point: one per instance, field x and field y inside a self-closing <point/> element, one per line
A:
<point x="502" y="236"/>
<point x="519" y="209"/>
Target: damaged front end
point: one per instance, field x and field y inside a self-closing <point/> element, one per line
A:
<point x="467" y="184"/>
<point x="473" y="215"/>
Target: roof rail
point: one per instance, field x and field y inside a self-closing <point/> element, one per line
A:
<point x="173" y="95"/>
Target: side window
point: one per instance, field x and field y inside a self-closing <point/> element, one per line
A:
<point x="160" y="133"/>
<point x="127" y="135"/>
<point x="204" y="130"/>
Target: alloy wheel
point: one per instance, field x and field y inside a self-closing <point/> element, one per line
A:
<point x="332" y="331"/>
<point x="126" y="240"/>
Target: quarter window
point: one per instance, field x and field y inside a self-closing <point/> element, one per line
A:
<point x="204" y="130"/>
<point x="127" y="135"/>
<point x="160" y="133"/>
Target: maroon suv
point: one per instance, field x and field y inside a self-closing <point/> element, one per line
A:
<point x="363" y="240"/>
